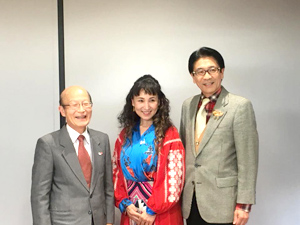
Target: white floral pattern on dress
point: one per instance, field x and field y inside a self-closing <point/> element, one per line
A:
<point x="175" y="175"/>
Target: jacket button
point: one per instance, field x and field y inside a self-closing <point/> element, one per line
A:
<point x="90" y="212"/>
<point x="197" y="165"/>
<point x="193" y="182"/>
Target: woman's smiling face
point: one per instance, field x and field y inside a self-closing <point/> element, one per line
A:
<point x="145" y="106"/>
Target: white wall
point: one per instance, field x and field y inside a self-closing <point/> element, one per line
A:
<point x="29" y="96"/>
<point x="109" y="44"/>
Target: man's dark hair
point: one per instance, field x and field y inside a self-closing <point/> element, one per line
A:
<point x="205" y="52"/>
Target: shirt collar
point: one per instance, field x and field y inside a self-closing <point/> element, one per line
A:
<point x="136" y="127"/>
<point x="213" y="97"/>
<point x="74" y="134"/>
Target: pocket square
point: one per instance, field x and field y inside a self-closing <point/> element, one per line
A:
<point x="100" y="153"/>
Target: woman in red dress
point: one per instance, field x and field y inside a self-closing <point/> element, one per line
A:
<point x="149" y="159"/>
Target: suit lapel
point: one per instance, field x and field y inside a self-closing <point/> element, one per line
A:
<point x="193" y="113"/>
<point x="98" y="156"/>
<point x="214" y="122"/>
<point x="70" y="156"/>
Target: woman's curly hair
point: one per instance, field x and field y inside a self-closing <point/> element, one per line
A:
<point x="161" y="120"/>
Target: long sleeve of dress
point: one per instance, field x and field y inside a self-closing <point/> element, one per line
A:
<point x="169" y="177"/>
<point x="120" y="186"/>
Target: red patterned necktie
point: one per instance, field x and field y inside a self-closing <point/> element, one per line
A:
<point x="84" y="160"/>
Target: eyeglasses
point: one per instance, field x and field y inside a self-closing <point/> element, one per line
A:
<point x="211" y="71"/>
<point x="76" y="105"/>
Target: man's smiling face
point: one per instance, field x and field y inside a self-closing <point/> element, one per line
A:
<point x="208" y="84"/>
<point x="79" y="118"/>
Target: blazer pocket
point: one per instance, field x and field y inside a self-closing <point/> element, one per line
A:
<point x="227" y="181"/>
<point x="223" y="130"/>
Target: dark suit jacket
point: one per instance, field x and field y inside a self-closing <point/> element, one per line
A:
<point x="224" y="170"/>
<point x="59" y="192"/>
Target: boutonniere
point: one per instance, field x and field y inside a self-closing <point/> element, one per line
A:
<point x="217" y="114"/>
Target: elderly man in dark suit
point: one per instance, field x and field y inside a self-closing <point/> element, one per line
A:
<point x="218" y="130"/>
<point x="72" y="174"/>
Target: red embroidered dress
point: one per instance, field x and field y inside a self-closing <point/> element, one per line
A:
<point x="161" y="192"/>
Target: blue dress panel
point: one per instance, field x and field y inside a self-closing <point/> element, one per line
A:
<point x="138" y="163"/>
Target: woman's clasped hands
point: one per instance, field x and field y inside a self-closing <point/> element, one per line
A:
<point x="142" y="218"/>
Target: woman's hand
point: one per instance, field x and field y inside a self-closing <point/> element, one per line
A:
<point x="146" y="219"/>
<point x="133" y="214"/>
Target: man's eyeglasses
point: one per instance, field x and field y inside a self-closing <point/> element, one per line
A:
<point x="76" y="105"/>
<point x="211" y="71"/>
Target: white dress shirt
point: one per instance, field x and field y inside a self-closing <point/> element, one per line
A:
<point x="74" y="137"/>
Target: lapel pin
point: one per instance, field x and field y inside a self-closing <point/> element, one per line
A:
<point x="217" y="114"/>
<point x="100" y="153"/>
